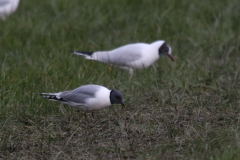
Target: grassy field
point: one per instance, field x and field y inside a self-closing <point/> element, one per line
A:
<point x="188" y="109"/>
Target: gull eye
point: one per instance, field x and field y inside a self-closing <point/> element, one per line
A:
<point x="167" y="49"/>
<point x="119" y="98"/>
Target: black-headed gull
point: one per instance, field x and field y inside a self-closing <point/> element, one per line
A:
<point x="131" y="56"/>
<point x="88" y="97"/>
<point x="7" y="7"/>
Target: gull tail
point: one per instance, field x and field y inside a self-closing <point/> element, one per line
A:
<point x="52" y="96"/>
<point x="87" y="55"/>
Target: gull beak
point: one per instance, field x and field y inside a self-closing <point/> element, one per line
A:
<point x="123" y="105"/>
<point x="170" y="56"/>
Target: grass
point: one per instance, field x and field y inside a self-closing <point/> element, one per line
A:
<point x="183" y="110"/>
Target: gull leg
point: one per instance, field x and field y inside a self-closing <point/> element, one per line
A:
<point x="61" y="108"/>
<point x="3" y="17"/>
<point x="124" y="107"/>
<point x="131" y="70"/>
<point x="154" y="67"/>
<point x="78" y="112"/>
<point x="85" y="115"/>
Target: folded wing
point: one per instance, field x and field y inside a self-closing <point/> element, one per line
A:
<point x="120" y="56"/>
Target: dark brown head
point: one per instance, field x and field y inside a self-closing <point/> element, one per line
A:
<point x="165" y="50"/>
<point x="116" y="97"/>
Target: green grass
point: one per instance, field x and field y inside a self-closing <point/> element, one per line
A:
<point x="189" y="109"/>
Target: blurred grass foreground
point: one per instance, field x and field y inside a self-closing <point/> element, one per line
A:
<point x="188" y="109"/>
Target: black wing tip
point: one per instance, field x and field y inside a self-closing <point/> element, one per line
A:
<point x="82" y="52"/>
<point x="53" y="97"/>
<point x="43" y="94"/>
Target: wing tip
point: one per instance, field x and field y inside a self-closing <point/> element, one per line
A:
<point x="83" y="53"/>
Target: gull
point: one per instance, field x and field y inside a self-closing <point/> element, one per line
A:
<point x="7" y="7"/>
<point x="131" y="56"/>
<point x="88" y="97"/>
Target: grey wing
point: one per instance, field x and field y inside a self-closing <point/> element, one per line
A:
<point x="120" y="56"/>
<point x="4" y="2"/>
<point x="81" y="94"/>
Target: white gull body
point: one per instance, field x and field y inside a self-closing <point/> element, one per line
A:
<point x="88" y="97"/>
<point x="131" y="56"/>
<point x="7" y="7"/>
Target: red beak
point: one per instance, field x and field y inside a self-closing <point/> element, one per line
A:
<point x="169" y="55"/>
